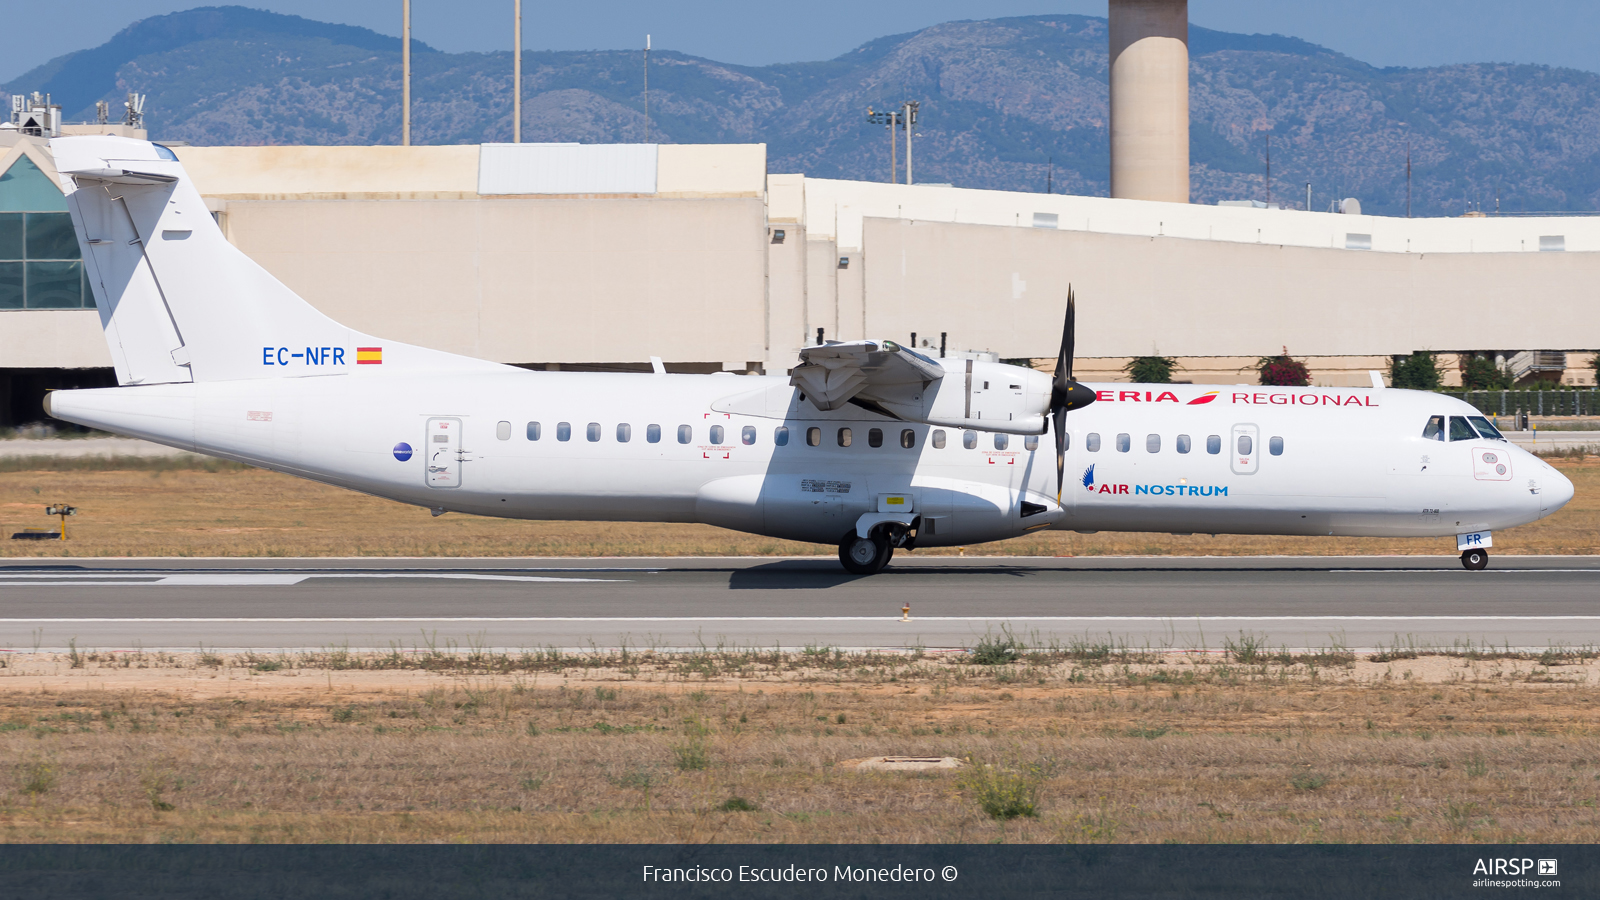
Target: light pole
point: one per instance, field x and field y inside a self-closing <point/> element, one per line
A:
<point x="516" y="75"/>
<point x="892" y="120"/>
<point x="405" y="73"/>
<point x="908" y="115"/>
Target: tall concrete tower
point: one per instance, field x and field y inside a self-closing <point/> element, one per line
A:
<point x="1150" y="100"/>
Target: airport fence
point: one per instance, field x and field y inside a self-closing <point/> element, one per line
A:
<point x="1534" y="403"/>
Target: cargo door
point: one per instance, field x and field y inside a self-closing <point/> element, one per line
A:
<point x="443" y="441"/>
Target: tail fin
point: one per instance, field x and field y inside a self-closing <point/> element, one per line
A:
<point x="177" y="301"/>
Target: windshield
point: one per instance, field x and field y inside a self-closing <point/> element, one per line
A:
<point x="1434" y="430"/>
<point x="1486" y="429"/>
<point x="1460" y="430"/>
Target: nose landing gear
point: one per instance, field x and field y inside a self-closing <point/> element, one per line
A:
<point x="1475" y="560"/>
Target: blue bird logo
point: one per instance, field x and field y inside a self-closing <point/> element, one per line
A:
<point x="1088" y="479"/>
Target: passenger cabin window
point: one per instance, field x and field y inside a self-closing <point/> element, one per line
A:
<point x="1152" y="443"/>
<point x="685" y="434"/>
<point x="844" y="437"/>
<point x="1031" y="442"/>
<point x="716" y="435"/>
<point x="1485" y="428"/>
<point x="624" y="433"/>
<point x="874" y="437"/>
<point x="814" y="437"/>
<point x="938" y="439"/>
<point x="908" y="439"/>
<point x="502" y="431"/>
<point x="652" y="433"/>
<point x="1461" y="430"/>
<point x="593" y="432"/>
<point x="1002" y="441"/>
<point x="748" y="435"/>
<point x="563" y="431"/>
<point x="1183" y="444"/>
<point x="534" y="431"/>
<point x="1213" y="444"/>
<point x="1246" y="446"/>
<point x="969" y="440"/>
<point x="780" y="436"/>
<point x="1275" y="446"/>
<point x="1434" y="430"/>
<point x="1124" y="443"/>
<point x="1092" y="442"/>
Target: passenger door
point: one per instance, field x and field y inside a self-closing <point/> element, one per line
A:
<point x="443" y="441"/>
<point x="1245" y="445"/>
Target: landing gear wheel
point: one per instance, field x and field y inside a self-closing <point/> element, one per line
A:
<point x="864" y="556"/>
<point x="1475" y="560"/>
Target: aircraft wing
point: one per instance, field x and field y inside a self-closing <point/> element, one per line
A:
<point x="837" y="372"/>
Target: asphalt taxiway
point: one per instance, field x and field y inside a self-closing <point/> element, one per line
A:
<point x="1298" y="602"/>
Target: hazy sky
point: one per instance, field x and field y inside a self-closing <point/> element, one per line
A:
<point x="1382" y="32"/>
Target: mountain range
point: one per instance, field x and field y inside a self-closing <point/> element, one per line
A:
<point x="1011" y="103"/>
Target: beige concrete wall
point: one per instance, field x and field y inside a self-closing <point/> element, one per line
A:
<point x="711" y="170"/>
<point x="332" y="172"/>
<point x="851" y="285"/>
<point x="45" y="338"/>
<point x="786" y="295"/>
<point x="822" y="289"/>
<point x="836" y="209"/>
<point x="1003" y="289"/>
<point x="440" y="172"/>
<point x="786" y="198"/>
<point x="519" y="281"/>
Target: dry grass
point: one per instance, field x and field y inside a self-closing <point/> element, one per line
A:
<point x="1116" y="747"/>
<point x="168" y="508"/>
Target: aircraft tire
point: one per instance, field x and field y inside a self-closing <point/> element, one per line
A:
<point x="1475" y="560"/>
<point x="864" y="556"/>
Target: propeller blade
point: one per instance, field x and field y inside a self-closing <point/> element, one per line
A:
<point x="1069" y="332"/>
<point x="1065" y="393"/>
<point x="1058" y="418"/>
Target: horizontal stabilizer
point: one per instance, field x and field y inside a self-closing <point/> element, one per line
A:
<point x="119" y="176"/>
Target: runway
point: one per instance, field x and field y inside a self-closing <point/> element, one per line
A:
<point x="1162" y="603"/>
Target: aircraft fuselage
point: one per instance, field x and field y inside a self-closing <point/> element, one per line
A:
<point x="748" y="453"/>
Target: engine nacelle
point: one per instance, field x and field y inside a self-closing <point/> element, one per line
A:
<point x="982" y="396"/>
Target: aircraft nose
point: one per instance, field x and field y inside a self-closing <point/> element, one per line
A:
<point x="1559" y="490"/>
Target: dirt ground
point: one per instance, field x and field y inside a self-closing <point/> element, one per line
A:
<point x="158" y="508"/>
<point x="1084" y="746"/>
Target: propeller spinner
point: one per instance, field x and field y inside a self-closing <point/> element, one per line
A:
<point x="1066" y="394"/>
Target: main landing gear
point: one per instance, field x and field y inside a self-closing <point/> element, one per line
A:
<point x="865" y="555"/>
<point x="1475" y="560"/>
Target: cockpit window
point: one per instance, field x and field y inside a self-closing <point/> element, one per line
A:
<point x="1435" y="429"/>
<point x="1486" y="429"/>
<point x="1460" y="430"/>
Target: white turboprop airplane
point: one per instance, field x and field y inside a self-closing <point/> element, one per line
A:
<point x="868" y="444"/>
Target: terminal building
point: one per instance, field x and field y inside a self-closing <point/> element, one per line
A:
<point x="567" y="256"/>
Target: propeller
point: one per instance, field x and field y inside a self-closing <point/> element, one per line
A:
<point x="1066" y="394"/>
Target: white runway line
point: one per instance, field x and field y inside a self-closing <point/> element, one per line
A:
<point x="250" y="579"/>
<point x="740" y="619"/>
<point x="1454" y="571"/>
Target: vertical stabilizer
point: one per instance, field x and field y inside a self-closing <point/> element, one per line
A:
<point x="178" y="302"/>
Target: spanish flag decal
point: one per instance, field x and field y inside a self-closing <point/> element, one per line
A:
<point x="369" y="356"/>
